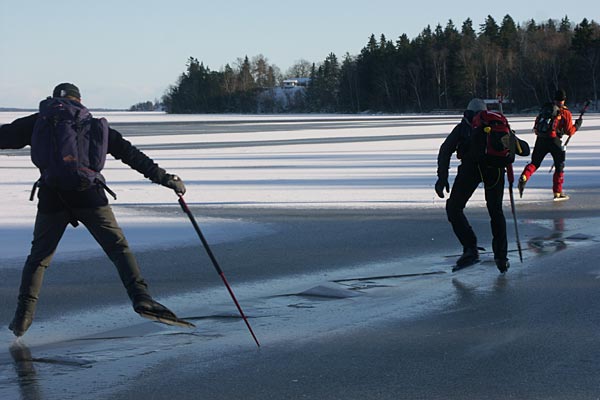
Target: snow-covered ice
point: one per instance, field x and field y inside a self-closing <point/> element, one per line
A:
<point x="356" y="162"/>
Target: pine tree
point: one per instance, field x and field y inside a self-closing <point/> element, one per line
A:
<point x="331" y="84"/>
<point x="586" y="46"/>
<point x="467" y="64"/>
<point x="452" y="44"/>
<point x="565" y="25"/>
<point x="245" y="79"/>
<point x="349" y="98"/>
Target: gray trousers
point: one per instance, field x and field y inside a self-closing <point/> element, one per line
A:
<point x="49" y="229"/>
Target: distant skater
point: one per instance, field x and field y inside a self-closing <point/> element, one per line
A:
<point x="553" y="123"/>
<point x="468" y="140"/>
<point x="69" y="147"/>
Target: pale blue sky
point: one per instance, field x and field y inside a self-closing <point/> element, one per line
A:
<point x="120" y="52"/>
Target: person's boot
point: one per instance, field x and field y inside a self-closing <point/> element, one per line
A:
<point x="469" y="257"/>
<point x="503" y="264"/>
<point x="144" y="303"/>
<point x="561" y="196"/>
<point x="147" y="307"/>
<point x="23" y="315"/>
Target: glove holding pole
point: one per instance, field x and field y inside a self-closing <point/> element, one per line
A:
<point x="173" y="182"/>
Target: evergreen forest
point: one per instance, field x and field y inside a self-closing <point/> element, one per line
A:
<point x="440" y="69"/>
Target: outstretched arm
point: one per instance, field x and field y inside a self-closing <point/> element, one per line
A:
<point x="123" y="150"/>
<point x="17" y="134"/>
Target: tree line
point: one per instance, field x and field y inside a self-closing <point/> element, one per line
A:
<point x="442" y="68"/>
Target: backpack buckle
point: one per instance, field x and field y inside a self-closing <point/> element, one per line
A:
<point x="34" y="188"/>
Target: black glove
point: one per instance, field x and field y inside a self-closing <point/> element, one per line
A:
<point x="578" y="123"/>
<point x="440" y="185"/>
<point x="173" y="182"/>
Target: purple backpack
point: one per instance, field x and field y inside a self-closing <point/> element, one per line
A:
<point x="68" y="145"/>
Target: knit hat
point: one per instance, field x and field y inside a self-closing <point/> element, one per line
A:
<point x="560" y="95"/>
<point x="476" y="105"/>
<point x="66" y="89"/>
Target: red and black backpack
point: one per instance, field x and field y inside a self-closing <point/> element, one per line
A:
<point x="546" y="121"/>
<point x="491" y="128"/>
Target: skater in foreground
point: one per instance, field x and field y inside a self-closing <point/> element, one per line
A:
<point x="485" y="145"/>
<point x="69" y="147"/>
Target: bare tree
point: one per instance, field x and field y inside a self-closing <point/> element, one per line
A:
<point x="300" y="69"/>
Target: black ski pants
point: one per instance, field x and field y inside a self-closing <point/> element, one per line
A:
<point x="469" y="176"/>
<point x="543" y="146"/>
<point x="49" y="229"/>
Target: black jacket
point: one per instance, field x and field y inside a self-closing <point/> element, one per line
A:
<point x="457" y="141"/>
<point x="467" y="148"/>
<point x="17" y="135"/>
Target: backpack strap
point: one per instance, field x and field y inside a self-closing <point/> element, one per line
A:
<point x="104" y="186"/>
<point x="513" y="143"/>
<point x="72" y="220"/>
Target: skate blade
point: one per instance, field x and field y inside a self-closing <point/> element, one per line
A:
<point x="168" y="320"/>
